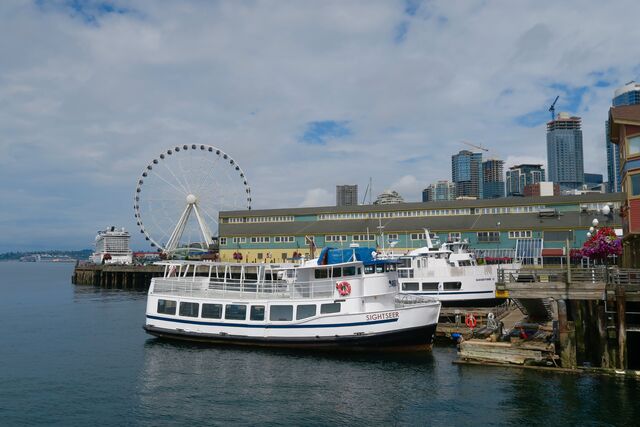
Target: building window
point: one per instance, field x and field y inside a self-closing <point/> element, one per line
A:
<point x="281" y="313"/>
<point x="633" y="145"/>
<point x="239" y="240"/>
<point x="166" y="306"/>
<point x="304" y="311"/>
<point x="189" y="309"/>
<point x="260" y="239"/>
<point x="223" y="241"/>
<point x="488" y="236"/>
<point x="284" y="239"/>
<point x="635" y="184"/>
<point x="335" y="238"/>
<point x="418" y="236"/>
<point x="454" y="236"/>
<point x="235" y="312"/>
<point x="392" y="237"/>
<point x="212" y="311"/>
<point x="558" y="236"/>
<point x="363" y="238"/>
<point x="520" y="234"/>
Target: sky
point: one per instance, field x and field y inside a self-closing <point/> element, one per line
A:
<point x="304" y="95"/>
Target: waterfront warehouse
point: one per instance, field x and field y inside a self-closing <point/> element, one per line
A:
<point x="527" y="227"/>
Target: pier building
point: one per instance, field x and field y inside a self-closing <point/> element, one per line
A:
<point x="529" y="227"/>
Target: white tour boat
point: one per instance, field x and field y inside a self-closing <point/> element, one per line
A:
<point x="450" y="273"/>
<point x="344" y="299"/>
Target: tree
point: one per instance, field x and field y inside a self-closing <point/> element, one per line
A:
<point x="603" y="244"/>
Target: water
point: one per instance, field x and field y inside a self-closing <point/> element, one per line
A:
<point x="78" y="355"/>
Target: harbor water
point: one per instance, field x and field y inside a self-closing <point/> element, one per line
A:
<point x="77" y="355"/>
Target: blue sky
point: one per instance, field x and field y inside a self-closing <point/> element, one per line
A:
<point x="304" y="95"/>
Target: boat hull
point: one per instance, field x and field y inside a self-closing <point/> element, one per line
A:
<point x="417" y="338"/>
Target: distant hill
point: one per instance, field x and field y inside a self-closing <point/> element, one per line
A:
<point x="81" y="254"/>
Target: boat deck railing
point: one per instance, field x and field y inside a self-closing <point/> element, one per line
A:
<point x="205" y="287"/>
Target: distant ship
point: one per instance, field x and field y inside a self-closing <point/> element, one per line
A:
<point x="112" y="247"/>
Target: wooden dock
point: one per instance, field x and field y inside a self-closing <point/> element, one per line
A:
<point x="114" y="276"/>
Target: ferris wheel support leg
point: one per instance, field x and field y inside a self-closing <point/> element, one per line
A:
<point x="173" y="241"/>
<point x="206" y="233"/>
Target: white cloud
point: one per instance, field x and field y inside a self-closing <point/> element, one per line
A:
<point x="85" y="107"/>
<point x="318" y="197"/>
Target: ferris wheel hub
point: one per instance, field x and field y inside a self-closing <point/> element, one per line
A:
<point x="191" y="199"/>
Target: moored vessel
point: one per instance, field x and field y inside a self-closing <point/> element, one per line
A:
<point x="344" y="299"/>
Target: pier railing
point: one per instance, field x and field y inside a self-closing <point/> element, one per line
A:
<point x="603" y="274"/>
<point x="245" y="289"/>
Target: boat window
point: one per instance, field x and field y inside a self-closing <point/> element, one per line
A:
<point x="406" y="273"/>
<point x="464" y="263"/>
<point x="389" y="267"/>
<point x="305" y="310"/>
<point x="212" y="311"/>
<point x="257" y="312"/>
<point x="321" y="273"/>
<point x="235" y="312"/>
<point x="189" y="309"/>
<point x="281" y="313"/>
<point x="166" y="306"/>
<point x="411" y="286"/>
<point x="380" y="268"/>
<point x="451" y="286"/>
<point x="404" y="262"/>
<point x="430" y="286"/>
<point x="359" y="271"/>
<point x="369" y="269"/>
<point x="349" y="271"/>
<point x="337" y="272"/>
<point x="330" y="308"/>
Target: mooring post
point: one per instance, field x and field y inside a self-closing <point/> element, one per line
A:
<point x="567" y="344"/>
<point x="622" y="327"/>
<point x="568" y="255"/>
<point x="605" y="362"/>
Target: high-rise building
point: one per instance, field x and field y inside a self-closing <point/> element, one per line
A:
<point x="628" y="94"/>
<point x="519" y="176"/>
<point x="466" y="173"/>
<point x="565" y="161"/>
<point x="592" y="180"/>
<point x="441" y="190"/>
<point x="346" y="195"/>
<point x="493" y="179"/>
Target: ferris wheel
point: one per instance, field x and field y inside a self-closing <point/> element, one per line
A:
<point x="180" y="192"/>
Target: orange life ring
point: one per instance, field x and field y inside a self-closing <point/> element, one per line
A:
<point x="344" y="288"/>
<point x="470" y="320"/>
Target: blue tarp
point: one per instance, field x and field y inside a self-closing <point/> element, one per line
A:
<point x="336" y="256"/>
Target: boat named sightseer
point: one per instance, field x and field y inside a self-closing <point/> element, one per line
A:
<point x="344" y="299"/>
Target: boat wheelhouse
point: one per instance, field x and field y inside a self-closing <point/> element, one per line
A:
<point x="450" y="273"/>
<point x="343" y="299"/>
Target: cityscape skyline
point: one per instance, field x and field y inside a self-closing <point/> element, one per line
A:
<point x="304" y="96"/>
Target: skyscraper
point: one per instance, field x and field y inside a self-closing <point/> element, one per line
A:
<point x="466" y="173"/>
<point x="564" y="152"/>
<point x="628" y="94"/>
<point x="519" y="176"/>
<point x="493" y="179"/>
<point x="441" y="190"/>
<point x="346" y="195"/>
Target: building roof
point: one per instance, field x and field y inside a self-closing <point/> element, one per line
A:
<point x="624" y="114"/>
<point x="493" y="222"/>
<point x="443" y="204"/>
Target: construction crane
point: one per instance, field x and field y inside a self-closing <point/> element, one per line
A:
<point x="552" y="109"/>
<point x="475" y="146"/>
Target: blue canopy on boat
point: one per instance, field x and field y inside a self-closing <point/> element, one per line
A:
<point x="335" y="256"/>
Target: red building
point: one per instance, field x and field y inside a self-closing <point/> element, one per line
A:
<point x="624" y="130"/>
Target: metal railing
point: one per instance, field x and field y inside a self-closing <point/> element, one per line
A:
<point x="237" y="288"/>
<point x="609" y="275"/>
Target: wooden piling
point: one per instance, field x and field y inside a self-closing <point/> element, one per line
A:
<point x="605" y="361"/>
<point x="621" y="327"/>
<point x="567" y="338"/>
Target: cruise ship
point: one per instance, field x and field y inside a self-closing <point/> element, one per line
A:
<point x="112" y="247"/>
